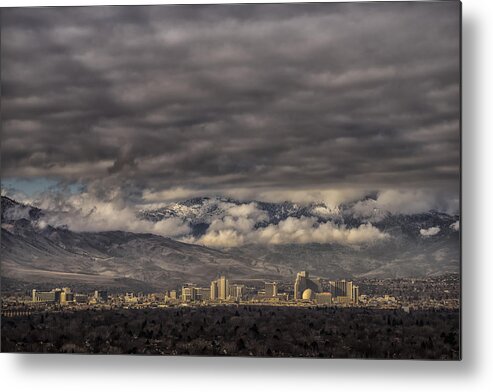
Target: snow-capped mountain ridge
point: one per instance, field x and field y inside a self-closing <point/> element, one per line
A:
<point x="205" y="209"/>
<point x="418" y="245"/>
<point x="201" y="212"/>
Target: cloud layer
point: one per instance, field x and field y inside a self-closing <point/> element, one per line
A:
<point x="304" y="230"/>
<point x="455" y="226"/>
<point x="93" y="211"/>
<point x="270" y="102"/>
<point x="431" y="231"/>
<point x="405" y="202"/>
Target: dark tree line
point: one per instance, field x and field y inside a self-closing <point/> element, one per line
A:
<point x="243" y="330"/>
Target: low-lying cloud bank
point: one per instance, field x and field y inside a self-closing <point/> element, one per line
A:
<point x="405" y="202"/>
<point x="93" y="210"/>
<point x="237" y="225"/>
<point x="392" y="200"/>
<point x="240" y="226"/>
<point x="103" y="206"/>
<point x="292" y="231"/>
<point x="429" y="232"/>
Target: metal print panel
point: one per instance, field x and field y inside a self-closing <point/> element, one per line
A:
<point x="247" y="180"/>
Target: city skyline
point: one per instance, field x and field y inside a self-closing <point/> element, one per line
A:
<point x="222" y="289"/>
<point x="326" y="292"/>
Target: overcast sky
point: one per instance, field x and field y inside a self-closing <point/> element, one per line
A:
<point x="311" y="102"/>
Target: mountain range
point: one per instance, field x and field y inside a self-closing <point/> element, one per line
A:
<point x="416" y="245"/>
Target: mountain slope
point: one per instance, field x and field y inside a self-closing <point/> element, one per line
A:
<point x="57" y="254"/>
<point x="34" y="253"/>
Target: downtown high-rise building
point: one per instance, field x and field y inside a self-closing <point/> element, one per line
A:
<point x="219" y="289"/>
<point x="304" y="282"/>
<point x="188" y="292"/>
<point x="214" y="295"/>
<point x="344" y="290"/>
<point x="355" y="296"/>
<point x="191" y="293"/>
<point x="202" y="293"/>
<point x="300" y="284"/>
<point x="223" y="288"/>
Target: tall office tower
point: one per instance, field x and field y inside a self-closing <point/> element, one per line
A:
<point x="349" y="289"/>
<point x="34" y="295"/>
<point x="300" y="284"/>
<point x="186" y="294"/>
<point x="340" y="288"/>
<point x="63" y="297"/>
<point x="355" y="294"/>
<point x="223" y="288"/>
<point x="270" y="289"/>
<point x="214" y="290"/>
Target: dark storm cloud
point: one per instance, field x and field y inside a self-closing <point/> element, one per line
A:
<point x="259" y="97"/>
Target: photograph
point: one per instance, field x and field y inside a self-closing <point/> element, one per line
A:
<point x="243" y="180"/>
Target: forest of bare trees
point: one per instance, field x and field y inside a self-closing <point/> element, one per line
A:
<point x="239" y="331"/>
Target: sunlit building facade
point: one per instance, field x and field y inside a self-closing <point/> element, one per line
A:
<point x="270" y="289"/>
<point x="304" y="282"/>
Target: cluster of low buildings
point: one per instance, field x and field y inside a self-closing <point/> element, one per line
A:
<point x="65" y="296"/>
<point x="222" y="290"/>
<point x="338" y="291"/>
